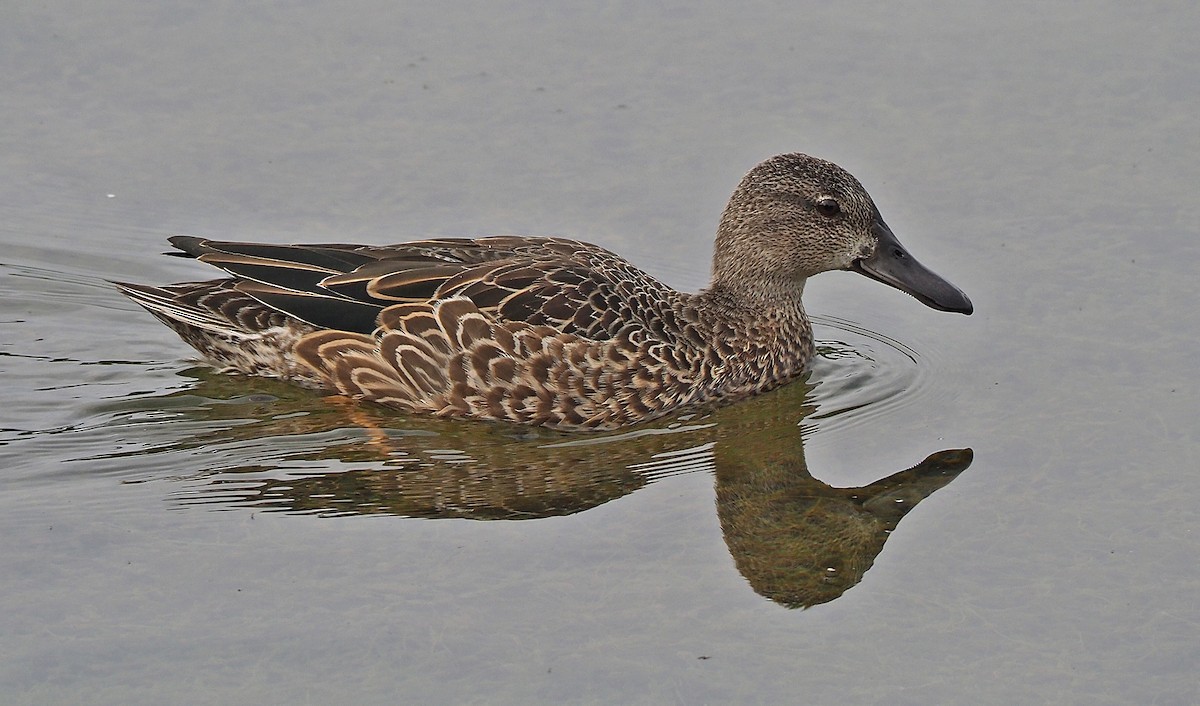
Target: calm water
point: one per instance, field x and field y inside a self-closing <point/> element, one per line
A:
<point x="175" y="536"/>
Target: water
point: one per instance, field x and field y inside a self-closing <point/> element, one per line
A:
<point x="176" y="536"/>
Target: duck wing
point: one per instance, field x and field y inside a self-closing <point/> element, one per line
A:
<point x="571" y="286"/>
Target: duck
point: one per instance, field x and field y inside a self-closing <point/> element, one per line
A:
<point x="545" y="331"/>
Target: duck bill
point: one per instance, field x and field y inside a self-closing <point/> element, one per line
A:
<point x="894" y="266"/>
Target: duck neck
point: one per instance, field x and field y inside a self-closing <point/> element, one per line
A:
<point x="757" y="339"/>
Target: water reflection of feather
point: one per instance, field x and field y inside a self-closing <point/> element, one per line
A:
<point x="796" y="539"/>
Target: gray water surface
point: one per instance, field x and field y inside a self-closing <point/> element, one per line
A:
<point x="175" y="536"/>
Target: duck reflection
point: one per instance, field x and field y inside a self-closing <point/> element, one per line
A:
<point x="797" y="540"/>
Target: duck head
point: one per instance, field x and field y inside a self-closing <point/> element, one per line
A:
<point x="794" y="216"/>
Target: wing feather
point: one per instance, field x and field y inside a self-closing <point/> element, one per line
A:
<point x="570" y="286"/>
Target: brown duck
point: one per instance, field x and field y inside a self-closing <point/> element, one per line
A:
<point x="545" y="331"/>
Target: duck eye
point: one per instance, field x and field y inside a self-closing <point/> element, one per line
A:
<point x="829" y="208"/>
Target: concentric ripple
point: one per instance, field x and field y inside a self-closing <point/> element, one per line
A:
<point x="859" y="374"/>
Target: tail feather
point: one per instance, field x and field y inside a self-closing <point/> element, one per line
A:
<point x="229" y="328"/>
<point x="166" y="306"/>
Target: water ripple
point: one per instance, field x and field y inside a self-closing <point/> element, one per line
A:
<point x="859" y="375"/>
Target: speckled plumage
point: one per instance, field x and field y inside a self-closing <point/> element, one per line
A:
<point x="543" y="331"/>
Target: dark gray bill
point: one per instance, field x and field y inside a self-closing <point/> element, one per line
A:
<point x="892" y="265"/>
